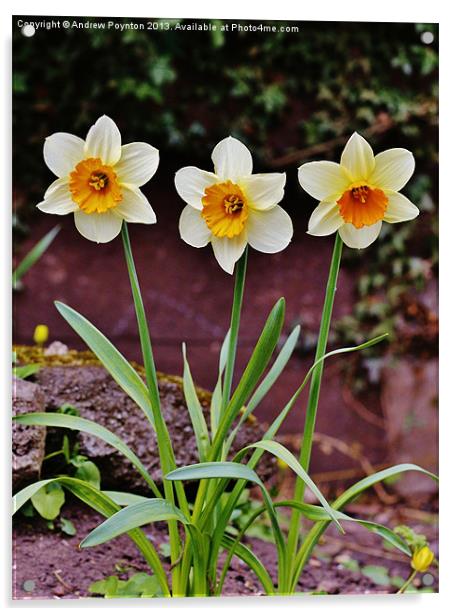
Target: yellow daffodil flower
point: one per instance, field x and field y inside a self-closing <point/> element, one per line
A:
<point x="359" y="193"/>
<point x="232" y="207"/>
<point x="98" y="180"/>
<point x="422" y="559"/>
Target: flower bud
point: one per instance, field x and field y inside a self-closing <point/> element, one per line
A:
<point x="422" y="559"/>
<point x="40" y="335"/>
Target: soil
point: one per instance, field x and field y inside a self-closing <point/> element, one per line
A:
<point x="48" y="564"/>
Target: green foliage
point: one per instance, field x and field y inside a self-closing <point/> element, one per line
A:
<point x="139" y="585"/>
<point x="184" y="90"/>
<point x="414" y="540"/>
<point x="49" y="500"/>
<point x="33" y="256"/>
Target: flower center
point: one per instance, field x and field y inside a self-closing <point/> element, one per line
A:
<point x="224" y="209"/>
<point x="94" y="186"/>
<point x="362" y="205"/>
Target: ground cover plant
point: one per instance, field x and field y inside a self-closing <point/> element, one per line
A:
<point x="236" y="210"/>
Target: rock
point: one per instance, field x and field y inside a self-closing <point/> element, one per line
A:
<point x="28" y="441"/>
<point x="409" y="402"/>
<point x="56" y="348"/>
<point x="97" y="397"/>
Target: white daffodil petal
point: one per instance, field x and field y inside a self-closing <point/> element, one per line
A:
<point x="228" y="251"/>
<point x="104" y="141"/>
<point x="359" y="238"/>
<point x="191" y="183"/>
<point x="62" y="152"/>
<point x="100" y="228"/>
<point x="134" y="206"/>
<point x="325" y="219"/>
<point x="55" y="185"/>
<point x="138" y="163"/>
<point x="232" y="160"/>
<point x="269" y="230"/>
<point x="193" y="229"/>
<point x="58" y="199"/>
<point x="358" y="158"/>
<point x="322" y="179"/>
<point x="393" y="169"/>
<point x="399" y="209"/>
<point x="264" y="190"/>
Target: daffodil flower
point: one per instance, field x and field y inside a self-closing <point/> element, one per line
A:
<point x="232" y="207"/>
<point x="357" y="195"/>
<point x="98" y="180"/>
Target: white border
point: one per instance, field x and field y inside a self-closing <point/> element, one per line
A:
<point x="386" y="10"/>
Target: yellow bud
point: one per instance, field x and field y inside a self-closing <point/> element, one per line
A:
<point x="40" y="335"/>
<point x="422" y="559"/>
<point x="282" y="465"/>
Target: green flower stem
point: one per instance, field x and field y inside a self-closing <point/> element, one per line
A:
<point x="239" y="285"/>
<point x="314" y="393"/>
<point x="166" y="455"/>
<point x="407" y="583"/>
<point x="204" y="484"/>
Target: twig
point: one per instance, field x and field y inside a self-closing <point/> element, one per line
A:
<point x="62" y="581"/>
<point x="361" y="409"/>
<point x="382" y="124"/>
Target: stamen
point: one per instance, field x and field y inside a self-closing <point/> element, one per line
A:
<point x="98" y="181"/>
<point x="233" y="203"/>
<point x="360" y="193"/>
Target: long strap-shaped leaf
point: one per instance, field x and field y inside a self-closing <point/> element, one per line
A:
<point x="253" y="562"/>
<point x="195" y="410"/>
<point x="346" y="497"/>
<point x="256" y="365"/>
<point x="104" y="505"/>
<point x="32" y="257"/>
<point x="233" y="470"/>
<point x="116" y="364"/>
<point x="60" y="420"/>
<point x="270" y="433"/>
<point x="146" y="512"/>
<point x="282" y="453"/>
<point x="266" y="384"/>
<point x="131" y="517"/>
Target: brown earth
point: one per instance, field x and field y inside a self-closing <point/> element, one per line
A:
<point x="51" y="565"/>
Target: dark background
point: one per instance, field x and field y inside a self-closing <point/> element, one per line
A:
<point x="290" y="97"/>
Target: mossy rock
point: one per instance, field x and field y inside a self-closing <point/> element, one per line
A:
<point x="79" y="379"/>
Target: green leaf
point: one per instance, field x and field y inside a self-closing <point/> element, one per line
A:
<point x="377" y="573"/>
<point x="104" y="505"/>
<point x="195" y="410"/>
<point x="316" y="513"/>
<point x="115" y="363"/>
<point x="214" y="470"/>
<point x="233" y="470"/>
<point x="282" y="453"/>
<point x="131" y="517"/>
<point x="23" y="372"/>
<point x="275" y="371"/>
<point x="217" y="396"/>
<point x="369" y="481"/>
<point x="67" y="527"/>
<point x="48" y="500"/>
<point x="266" y="384"/>
<point x="32" y="257"/>
<point x="346" y="497"/>
<point x="89" y="472"/>
<point x="124" y="498"/>
<point x="250" y="559"/>
<point x="257" y="364"/>
<point x="59" y="420"/>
